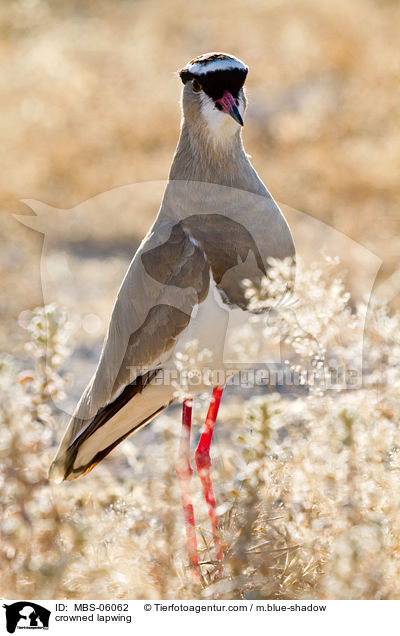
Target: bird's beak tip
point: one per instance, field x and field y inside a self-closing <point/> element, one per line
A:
<point x="228" y="105"/>
<point x="234" y="113"/>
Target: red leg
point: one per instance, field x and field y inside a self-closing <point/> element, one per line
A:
<point x="203" y="463"/>
<point x="184" y="472"/>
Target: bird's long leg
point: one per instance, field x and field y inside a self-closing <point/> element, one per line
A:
<point x="203" y="463"/>
<point x="184" y="473"/>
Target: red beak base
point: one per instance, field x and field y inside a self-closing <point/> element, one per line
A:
<point x="228" y="104"/>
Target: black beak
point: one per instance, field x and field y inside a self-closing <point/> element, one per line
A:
<point x="234" y="113"/>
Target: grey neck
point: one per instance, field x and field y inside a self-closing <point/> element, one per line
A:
<point x="199" y="158"/>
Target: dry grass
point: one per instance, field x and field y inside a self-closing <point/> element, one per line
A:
<point x="89" y="102"/>
<point x="305" y="486"/>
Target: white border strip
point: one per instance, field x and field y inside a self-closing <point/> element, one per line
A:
<point x="201" y="68"/>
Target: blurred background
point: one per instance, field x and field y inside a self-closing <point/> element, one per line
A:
<point x="90" y="102"/>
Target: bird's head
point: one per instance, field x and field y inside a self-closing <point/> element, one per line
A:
<point x="213" y="93"/>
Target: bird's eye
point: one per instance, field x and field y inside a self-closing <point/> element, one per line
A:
<point x="196" y="86"/>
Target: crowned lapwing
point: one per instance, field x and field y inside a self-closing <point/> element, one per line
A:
<point x="217" y="225"/>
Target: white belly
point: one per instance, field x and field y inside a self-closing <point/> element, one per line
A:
<point x="203" y="343"/>
<point x="202" y="349"/>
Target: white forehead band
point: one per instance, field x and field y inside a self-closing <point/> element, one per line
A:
<point x="225" y="64"/>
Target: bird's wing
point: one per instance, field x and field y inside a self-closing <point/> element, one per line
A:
<point x="238" y="230"/>
<point x="231" y="252"/>
<point x="237" y="251"/>
<point x="168" y="276"/>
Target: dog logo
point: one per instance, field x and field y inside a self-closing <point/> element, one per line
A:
<point x="26" y="615"/>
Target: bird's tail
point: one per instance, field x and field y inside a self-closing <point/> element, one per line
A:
<point x="87" y="442"/>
